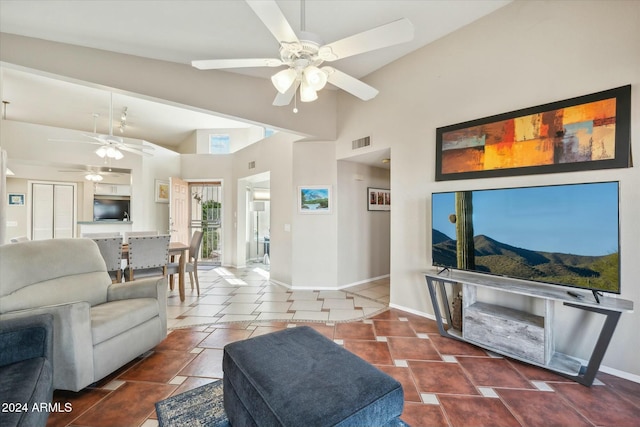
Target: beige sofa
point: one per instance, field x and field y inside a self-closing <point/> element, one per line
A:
<point x="98" y="326"/>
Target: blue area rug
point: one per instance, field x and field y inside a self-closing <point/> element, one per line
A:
<point x="199" y="407"/>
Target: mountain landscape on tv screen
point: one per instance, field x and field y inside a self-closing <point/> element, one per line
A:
<point x="491" y="256"/>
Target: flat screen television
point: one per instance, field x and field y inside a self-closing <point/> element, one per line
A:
<point x="110" y="209"/>
<point x="560" y="234"/>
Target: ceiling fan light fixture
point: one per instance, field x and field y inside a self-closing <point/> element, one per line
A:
<point x="114" y="153"/>
<point x="315" y="77"/>
<point x="307" y="93"/>
<point x="283" y="80"/>
<point x="109" y="152"/>
<point x="93" y="177"/>
<point x="101" y="152"/>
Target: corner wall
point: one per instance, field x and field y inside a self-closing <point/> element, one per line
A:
<point x="525" y="54"/>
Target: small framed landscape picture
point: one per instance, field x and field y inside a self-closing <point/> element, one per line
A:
<point x="379" y="199"/>
<point x="16" y="199"/>
<point x="314" y="199"/>
<point x="162" y="191"/>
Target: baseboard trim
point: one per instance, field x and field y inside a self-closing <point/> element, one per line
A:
<point x="277" y="282"/>
<point x="337" y="287"/>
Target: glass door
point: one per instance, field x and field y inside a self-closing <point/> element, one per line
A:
<point x="206" y="215"/>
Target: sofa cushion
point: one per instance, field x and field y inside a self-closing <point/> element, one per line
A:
<point x="90" y="287"/>
<point x="113" y="318"/>
<point x="26" y="383"/>
<point x="298" y="377"/>
<point x="47" y="272"/>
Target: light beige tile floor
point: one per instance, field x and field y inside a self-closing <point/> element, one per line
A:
<point x="247" y="295"/>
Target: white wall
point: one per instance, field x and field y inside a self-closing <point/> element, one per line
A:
<point x="315" y="236"/>
<point x="525" y="54"/>
<point x="17" y="224"/>
<point x="153" y="215"/>
<point x="275" y="156"/>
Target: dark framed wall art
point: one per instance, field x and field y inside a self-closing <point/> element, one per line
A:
<point x="582" y="133"/>
<point x="16" y="199"/>
<point x="379" y="199"/>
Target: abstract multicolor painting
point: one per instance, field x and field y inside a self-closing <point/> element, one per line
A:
<point x="588" y="132"/>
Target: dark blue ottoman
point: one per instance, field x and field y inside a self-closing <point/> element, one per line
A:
<point x="297" y="377"/>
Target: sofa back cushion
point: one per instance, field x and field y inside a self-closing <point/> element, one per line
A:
<point x="47" y="272"/>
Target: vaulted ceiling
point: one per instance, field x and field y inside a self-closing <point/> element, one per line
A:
<point x="181" y="31"/>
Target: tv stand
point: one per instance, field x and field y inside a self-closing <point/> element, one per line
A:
<point x="518" y="334"/>
<point x="595" y="295"/>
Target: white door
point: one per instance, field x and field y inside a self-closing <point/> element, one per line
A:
<point x="179" y="210"/>
<point x="53" y="210"/>
<point x="63" y="211"/>
<point x="42" y="211"/>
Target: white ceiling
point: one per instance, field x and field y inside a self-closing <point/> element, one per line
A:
<point x="181" y="31"/>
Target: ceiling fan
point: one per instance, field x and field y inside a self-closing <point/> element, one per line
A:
<point x="95" y="174"/>
<point x="111" y="146"/>
<point x="304" y="53"/>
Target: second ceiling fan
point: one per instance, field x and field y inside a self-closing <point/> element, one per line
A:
<point x="303" y="55"/>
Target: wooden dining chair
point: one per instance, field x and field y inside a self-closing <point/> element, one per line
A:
<point x="111" y="251"/>
<point x="191" y="265"/>
<point x="148" y="256"/>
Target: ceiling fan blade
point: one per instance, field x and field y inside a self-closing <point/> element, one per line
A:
<point x="396" y="32"/>
<point x="134" y="151"/>
<point x="350" y="84"/>
<point x="272" y="17"/>
<point x="137" y="147"/>
<point x="74" y="140"/>
<point x="97" y="139"/>
<point x="215" y="64"/>
<point x="283" y="99"/>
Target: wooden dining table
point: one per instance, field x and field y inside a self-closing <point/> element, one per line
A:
<point x="175" y="248"/>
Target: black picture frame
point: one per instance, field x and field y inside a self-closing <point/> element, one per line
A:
<point x="478" y="139"/>
<point x="378" y="199"/>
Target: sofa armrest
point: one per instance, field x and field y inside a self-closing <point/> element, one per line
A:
<point x="26" y="338"/>
<point x="72" y="342"/>
<point x="144" y="288"/>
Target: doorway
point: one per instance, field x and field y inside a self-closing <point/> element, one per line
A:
<point x="206" y="216"/>
<point x="254" y="221"/>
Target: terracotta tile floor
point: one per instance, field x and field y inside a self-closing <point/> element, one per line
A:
<point x="446" y="383"/>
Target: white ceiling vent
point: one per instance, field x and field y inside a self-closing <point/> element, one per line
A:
<point x="360" y="143"/>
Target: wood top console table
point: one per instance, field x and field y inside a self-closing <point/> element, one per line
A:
<point x="518" y="334"/>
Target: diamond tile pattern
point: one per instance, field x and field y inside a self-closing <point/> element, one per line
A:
<point x="446" y="382"/>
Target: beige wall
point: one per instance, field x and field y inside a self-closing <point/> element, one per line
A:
<point x="525" y="54"/>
